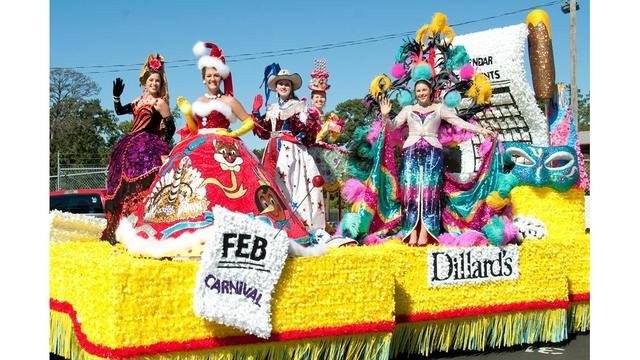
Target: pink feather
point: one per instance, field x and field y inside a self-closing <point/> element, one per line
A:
<point x="398" y="70"/>
<point x="510" y="230"/>
<point x="466" y="72"/>
<point x="447" y="239"/>
<point x="466" y="239"/>
<point x="353" y="190"/>
<point x="374" y="132"/>
<point x="372" y="239"/>
<point x="452" y="135"/>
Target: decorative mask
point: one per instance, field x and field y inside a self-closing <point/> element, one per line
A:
<point x="553" y="166"/>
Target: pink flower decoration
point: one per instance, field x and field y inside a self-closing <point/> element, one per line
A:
<point x="398" y="70"/>
<point x="155" y="64"/>
<point x="466" y="72"/>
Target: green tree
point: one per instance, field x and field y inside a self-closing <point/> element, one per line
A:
<point x="79" y="129"/>
<point x="584" y="111"/>
<point x="584" y="108"/>
<point x="258" y="153"/>
<point x="356" y="114"/>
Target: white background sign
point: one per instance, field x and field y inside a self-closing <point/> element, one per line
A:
<point x="473" y="265"/>
<point x="239" y="269"/>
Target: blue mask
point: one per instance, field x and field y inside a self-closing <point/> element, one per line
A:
<point x="553" y="166"/>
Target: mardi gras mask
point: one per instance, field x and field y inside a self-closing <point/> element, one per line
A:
<point x="553" y="166"/>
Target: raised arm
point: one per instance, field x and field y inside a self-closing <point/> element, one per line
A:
<point x="385" y="109"/>
<point x="185" y="107"/>
<point x="118" y="88"/>
<point x="449" y="116"/>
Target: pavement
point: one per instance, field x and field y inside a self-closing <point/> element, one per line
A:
<point x="574" y="348"/>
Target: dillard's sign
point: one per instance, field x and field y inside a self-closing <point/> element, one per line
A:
<point x="456" y="266"/>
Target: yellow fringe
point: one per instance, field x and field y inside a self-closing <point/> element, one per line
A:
<point x="62" y="339"/>
<point x="63" y="342"/>
<point x="580" y="317"/>
<point x="478" y="333"/>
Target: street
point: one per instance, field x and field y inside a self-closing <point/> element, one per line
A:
<point x="575" y="348"/>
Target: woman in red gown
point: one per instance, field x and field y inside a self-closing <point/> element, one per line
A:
<point x="209" y="166"/>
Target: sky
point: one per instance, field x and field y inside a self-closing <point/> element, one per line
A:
<point x="91" y="38"/>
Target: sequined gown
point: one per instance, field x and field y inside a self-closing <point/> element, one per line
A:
<point x="133" y="164"/>
<point x="204" y="170"/>
<point x="290" y="127"/>
<point x="421" y="170"/>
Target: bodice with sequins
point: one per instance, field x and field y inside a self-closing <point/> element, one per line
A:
<point x="212" y="114"/>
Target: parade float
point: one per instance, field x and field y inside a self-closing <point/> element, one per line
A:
<point x="353" y="302"/>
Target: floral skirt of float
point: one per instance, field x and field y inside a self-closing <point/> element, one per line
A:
<point x="421" y="188"/>
<point x="203" y="171"/>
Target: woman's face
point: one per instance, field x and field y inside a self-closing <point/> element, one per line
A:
<point x="212" y="80"/>
<point x="153" y="84"/>
<point x="423" y="93"/>
<point x="318" y="100"/>
<point x="283" y="87"/>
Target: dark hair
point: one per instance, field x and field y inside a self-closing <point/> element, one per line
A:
<point x="426" y="82"/>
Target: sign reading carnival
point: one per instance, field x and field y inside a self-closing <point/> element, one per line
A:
<point x="457" y="266"/>
<point x="239" y="269"/>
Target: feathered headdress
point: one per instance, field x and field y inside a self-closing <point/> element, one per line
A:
<point x="431" y="57"/>
<point x="269" y="70"/>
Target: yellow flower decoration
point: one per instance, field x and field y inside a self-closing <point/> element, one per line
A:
<point x="538" y="16"/>
<point x="481" y="90"/>
<point x="379" y="84"/>
<point x="497" y="202"/>
<point x="438" y="25"/>
<point x="439" y="22"/>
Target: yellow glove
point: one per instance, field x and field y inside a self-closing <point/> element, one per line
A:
<point x="247" y="125"/>
<point x="185" y="107"/>
<point x="324" y="130"/>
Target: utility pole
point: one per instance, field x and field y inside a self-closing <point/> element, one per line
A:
<point x="572" y="51"/>
<point x="58" y="177"/>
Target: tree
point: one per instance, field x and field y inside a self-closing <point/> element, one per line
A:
<point x="79" y="128"/>
<point x="584" y="111"/>
<point x="356" y="114"/>
<point x="584" y="108"/>
<point x="258" y="153"/>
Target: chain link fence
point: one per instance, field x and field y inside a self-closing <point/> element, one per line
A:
<point x="78" y="178"/>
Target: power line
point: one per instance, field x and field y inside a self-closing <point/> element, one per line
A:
<point x="294" y="51"/>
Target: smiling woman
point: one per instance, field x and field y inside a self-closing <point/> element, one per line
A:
<point x="136" y="157"/>
<point x="209" y="166"/>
